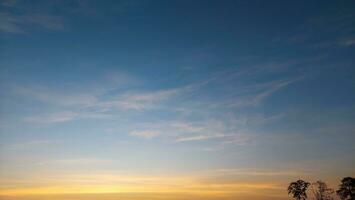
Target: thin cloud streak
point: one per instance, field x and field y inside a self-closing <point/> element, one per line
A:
<point x="139" y="101"/>
<point x="61" y="117"/>
<point x="76" y="161"/>
<point x="200" y="137"/>
<point x="11" y="23"/>
<point x="254" y="172"/>
<point x="145" y="134"/>
<point x="55" y="97"/>
<point x="350" y="41"/>
<point x="258" y="94"/>
<point x="143" y="101"/>
<point x="33" y="144"/>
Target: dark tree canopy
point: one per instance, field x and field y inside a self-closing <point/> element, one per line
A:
<point x="347" y="189"/>
<point x="321" y="191"/>
<point x="298" y="189"/>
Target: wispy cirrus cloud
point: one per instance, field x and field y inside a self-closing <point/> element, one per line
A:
<point x="349" y="41"/>
<point x="127" y="100"/>
<point x="145" y="100"/>
<point x="8" y="3"/>
<point x="254" y="95"/>
<point x="200" y="137"/>
<point x="187" y="127"/>
<point x="145" y="133"/>
<point x="236" y="139"/>
<point x="11" y="23"/>
<point x="75" y="105"/>
<point x="102" y="103"/>
<point x="56" y="97"/>
<point x="139" y="100"/>
<point x="33" y="143"/>
<point x="337" y="29"/>
<point x="19" y="17"/>
<point x="65" y="116"/>
<point x="219" y="132"/>
<point x="52" y="118"/>
<point x="254" y="172"/>
<point x="224" y="131"/>
<point x="76" y="161"/>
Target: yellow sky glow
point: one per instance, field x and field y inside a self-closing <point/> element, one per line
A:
<point x="103" y="183"/>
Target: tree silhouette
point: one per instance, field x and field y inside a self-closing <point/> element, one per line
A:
<point x="298" y="189"/>
<point x="347" y="189"/>
<point x="321" y="191"/>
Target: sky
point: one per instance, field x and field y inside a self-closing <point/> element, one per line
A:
<point x="174" y="100"/>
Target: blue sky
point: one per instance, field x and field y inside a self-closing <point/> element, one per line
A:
<point x="177" y="87"/>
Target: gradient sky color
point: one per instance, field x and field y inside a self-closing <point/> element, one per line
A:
<point x="174" y="99"/>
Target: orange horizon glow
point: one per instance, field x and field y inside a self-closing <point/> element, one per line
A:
<point x="118" y="184"/>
